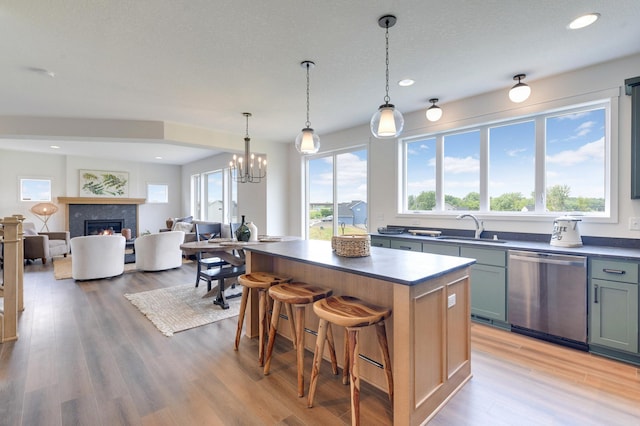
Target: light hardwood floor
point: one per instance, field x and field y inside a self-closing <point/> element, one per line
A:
<point x="86" y="356"/>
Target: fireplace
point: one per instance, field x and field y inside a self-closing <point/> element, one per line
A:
<point x="99" y="227"/>
<point x="126" y="216"/>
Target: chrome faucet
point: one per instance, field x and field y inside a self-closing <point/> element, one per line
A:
<point x="479" y="224"/>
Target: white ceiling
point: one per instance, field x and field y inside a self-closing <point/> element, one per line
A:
<point x="204" y="62"/>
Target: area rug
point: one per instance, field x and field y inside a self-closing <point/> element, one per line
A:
<point x="62" y="268"/>
<point x="180" y="308"/>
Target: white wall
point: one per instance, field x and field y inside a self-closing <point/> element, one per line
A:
<point x="265" y="203"/>
<point x="64" y="173"/>
<point x="383" y="155"/>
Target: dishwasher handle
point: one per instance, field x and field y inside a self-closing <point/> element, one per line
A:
<point x="553" y="259"/>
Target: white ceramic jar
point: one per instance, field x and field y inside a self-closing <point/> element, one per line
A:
<point x="254" y="231"/>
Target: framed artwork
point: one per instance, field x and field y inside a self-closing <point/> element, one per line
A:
<point x="100" y="183"/>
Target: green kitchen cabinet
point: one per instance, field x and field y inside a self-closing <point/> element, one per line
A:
<point x="406" y="245"/>
<point x="380" y="242"/>
<point x="488" y="283"/>
<point x="613" y="296"/>
<point x="441" y="248"/>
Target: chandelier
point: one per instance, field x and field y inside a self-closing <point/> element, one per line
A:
<point x="248" y="168"/>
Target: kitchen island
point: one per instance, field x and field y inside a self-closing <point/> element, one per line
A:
<point x="428" y="331"/>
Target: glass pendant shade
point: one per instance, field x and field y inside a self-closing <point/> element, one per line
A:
<point x="434" y="112"/>
<point x="387" y="122"/>
<point x="521" y="91"/>
<point x="307" y="142"/>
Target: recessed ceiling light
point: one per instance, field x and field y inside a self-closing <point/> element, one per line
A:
<point x="406" y="82"/>
<point x="583" y="21"/>
<point x="54" y="147"/>
<point x="158" y="158"/>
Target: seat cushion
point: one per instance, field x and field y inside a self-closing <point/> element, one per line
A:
<point x="58" y="247"/>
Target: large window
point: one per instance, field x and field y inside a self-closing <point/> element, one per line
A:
<point x="214" y="197"/>
<point x="544" y="164"/>
<point x="337" y="194"/>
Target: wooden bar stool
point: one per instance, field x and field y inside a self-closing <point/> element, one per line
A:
<point x="299" y="295"/>
<point x="354" y="314"/>
<point x="260" y="281"/>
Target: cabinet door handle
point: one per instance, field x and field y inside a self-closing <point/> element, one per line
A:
<point x="595" y="293"/>
<point x="613" y="271"/>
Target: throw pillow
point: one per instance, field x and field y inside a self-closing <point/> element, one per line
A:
<point x="182" y="226"/>
<point x="187" y="219"/>
<point x="29" y="230"/>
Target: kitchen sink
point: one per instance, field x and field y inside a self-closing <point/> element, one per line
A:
<point x="475" y="240"/>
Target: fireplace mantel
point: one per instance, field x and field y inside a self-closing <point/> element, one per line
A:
<point x="99" y="200"/>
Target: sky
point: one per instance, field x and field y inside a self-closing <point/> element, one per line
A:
<point x="575" y="157"/>
<point x="351" y="177"/>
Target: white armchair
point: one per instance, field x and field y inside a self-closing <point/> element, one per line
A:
<point x="97" y="256"/>
<point x="157" y="252"/>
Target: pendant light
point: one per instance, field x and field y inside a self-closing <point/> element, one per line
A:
<point x="307" y="142"/>
<point x="243" y="169"/>
<point x="520" y="92"/>
<point x="434" y="112"/>
<point x="387" y="122"/>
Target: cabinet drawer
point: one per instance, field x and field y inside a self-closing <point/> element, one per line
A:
<point x="440" y="248"/>
<point x="613" y="270"/>
<point x="485" y="256"/>
<point x="406" y="245"/>
<point x="380" y="242"/>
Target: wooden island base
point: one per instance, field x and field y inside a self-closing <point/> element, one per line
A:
<point x="428" y="331"/>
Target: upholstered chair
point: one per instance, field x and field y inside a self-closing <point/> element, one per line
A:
<point x="157" y="252"/>
<point x="97" y="256"/>
<point x="44" y="245"/>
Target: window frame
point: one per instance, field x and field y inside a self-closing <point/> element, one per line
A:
<point x="334" y="154"/>
<point x="21" y="190"/>
<point x="164" y="200"/>
<point x="199" y="188"/>
<point x="607" y="99"/>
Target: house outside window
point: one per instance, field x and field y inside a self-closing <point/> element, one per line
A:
<point x="337" y="194"/>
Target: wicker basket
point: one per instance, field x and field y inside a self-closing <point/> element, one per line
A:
<point x="355" y="245"/>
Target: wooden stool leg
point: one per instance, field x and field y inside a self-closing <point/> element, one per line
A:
<point x="345" y="369"/>
<point x="354" y="375"/>
<point x="263" y="327"/>
<point x="243" y="306"/>
<point x="332" y="349"/>
<point x="292" y="323"/>
<point x="384" y="352"/>
<point x="272" y="334"/>
<point x="299" y="313"/>
<point x="317" y="360"/>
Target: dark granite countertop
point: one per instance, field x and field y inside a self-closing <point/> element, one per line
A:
<point x="619" y="248"/>
<point x="407" y="268"/>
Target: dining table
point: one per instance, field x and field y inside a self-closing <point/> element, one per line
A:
<point x="228" y="250"/>
<point x="225" y="249"/>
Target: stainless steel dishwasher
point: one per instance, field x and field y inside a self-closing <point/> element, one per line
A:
<point x="547" y="297"/>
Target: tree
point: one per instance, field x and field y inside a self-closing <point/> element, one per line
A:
<point x="424" y="201"/>
<point x="557" y="198"/>
<point x="509" y="202"/>
<point x="471" y="201"/>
